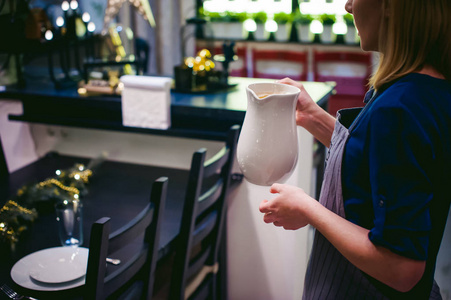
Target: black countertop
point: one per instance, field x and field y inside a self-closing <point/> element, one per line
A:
<point x="196" y="115"/>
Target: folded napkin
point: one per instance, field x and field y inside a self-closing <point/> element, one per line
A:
<point x="146" y="101"/>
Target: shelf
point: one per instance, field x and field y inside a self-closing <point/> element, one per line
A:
<point x="299" y="43"/>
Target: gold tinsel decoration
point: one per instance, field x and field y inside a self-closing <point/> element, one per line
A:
<point x="12" y="217"/>
<point x="15" y="217"/>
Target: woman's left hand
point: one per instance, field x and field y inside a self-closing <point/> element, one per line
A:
<point x="288" y="208"/>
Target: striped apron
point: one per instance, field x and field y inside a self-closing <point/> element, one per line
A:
<point x="329" y="274"/>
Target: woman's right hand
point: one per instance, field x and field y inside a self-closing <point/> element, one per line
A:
<point x="311" y="116"/>
<point x="305" y="104"/>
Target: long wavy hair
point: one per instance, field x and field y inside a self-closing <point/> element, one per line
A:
<point x="414" y="33"/>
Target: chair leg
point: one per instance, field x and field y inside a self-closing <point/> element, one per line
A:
<point x="215" y="294"/>
<point x="220" y="282"/>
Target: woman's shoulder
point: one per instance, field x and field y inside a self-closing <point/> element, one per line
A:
<point x="413" y="101"/>
<point x="424" y="82"/>
<point x="417" y="90"/>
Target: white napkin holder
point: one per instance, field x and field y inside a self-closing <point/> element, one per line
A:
<point x="146" y="101"/>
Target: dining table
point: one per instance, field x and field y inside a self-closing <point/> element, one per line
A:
<point x="116" y="190"/>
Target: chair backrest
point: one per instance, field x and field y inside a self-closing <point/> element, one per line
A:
<point x="101" y="284"/>
<point x="278" y="64"/>
<point x="196" y="260"/>
<point x="4" y="175"/>
<point x="350" y="70"/>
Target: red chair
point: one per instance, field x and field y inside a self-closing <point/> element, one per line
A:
<point x="349" y="70"/>
<point x="278" y="64"/>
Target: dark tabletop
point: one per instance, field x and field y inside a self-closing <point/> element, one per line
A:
<point x="116" y="190"/>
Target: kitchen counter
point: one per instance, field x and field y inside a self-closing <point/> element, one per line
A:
<point x="197" y="115"/>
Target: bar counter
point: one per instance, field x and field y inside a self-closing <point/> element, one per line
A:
<point x="196" y="115"/>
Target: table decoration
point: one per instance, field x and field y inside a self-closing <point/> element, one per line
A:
<point x="70" y="183"/>
<point x="198" y="74"/>
<point x="13" y="220"/>
<point x="40" y="198"/>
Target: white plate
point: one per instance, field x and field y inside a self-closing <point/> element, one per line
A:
<point x="58" y="265"/>
<point x="52" y="269"/>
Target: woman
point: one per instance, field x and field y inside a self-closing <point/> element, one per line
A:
<point x="384" y="201"/>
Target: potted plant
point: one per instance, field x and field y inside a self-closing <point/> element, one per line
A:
<point x="226" y="25"/>
<point x="349" y="19"/>
<point x="351" y="34"/>
<point x="260" y="19"/>
<point x="328" y="21"/>
<point x="284" y="23"/>
<point x="215" y="21"/>
<point x="302" y="22"/>
<point x="234" y="24"/>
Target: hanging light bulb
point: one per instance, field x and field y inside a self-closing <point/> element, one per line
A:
<point x="250" y="25"/>
<point x="74" y="4"/>
<point x="271" y="26"/>
<point x="86" y="17"/>
<point x="48" y="35"/>
<point x="65" y="6"/>
<point x="60" y="21"/>
<point x="91" y="27"/>
<point x="339" y="28"/>
<point x="316" y="27"/>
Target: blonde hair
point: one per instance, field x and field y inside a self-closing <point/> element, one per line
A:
<point x="414" y="33"/>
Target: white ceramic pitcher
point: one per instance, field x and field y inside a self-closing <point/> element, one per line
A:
<point x="267" y="148"/>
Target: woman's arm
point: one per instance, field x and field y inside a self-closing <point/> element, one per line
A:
<point x="293" y="209"/>
<point x="311" y="116"/>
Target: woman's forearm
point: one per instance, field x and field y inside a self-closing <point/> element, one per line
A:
<point x="311" y="116"/>
<point x="319" y="123"/>
<point x="352" y="241"/>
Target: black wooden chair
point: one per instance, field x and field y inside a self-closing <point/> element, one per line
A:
<point x="4" y="175"/>
<point x="101" y="284"/>
<point x="197" y="259"/>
